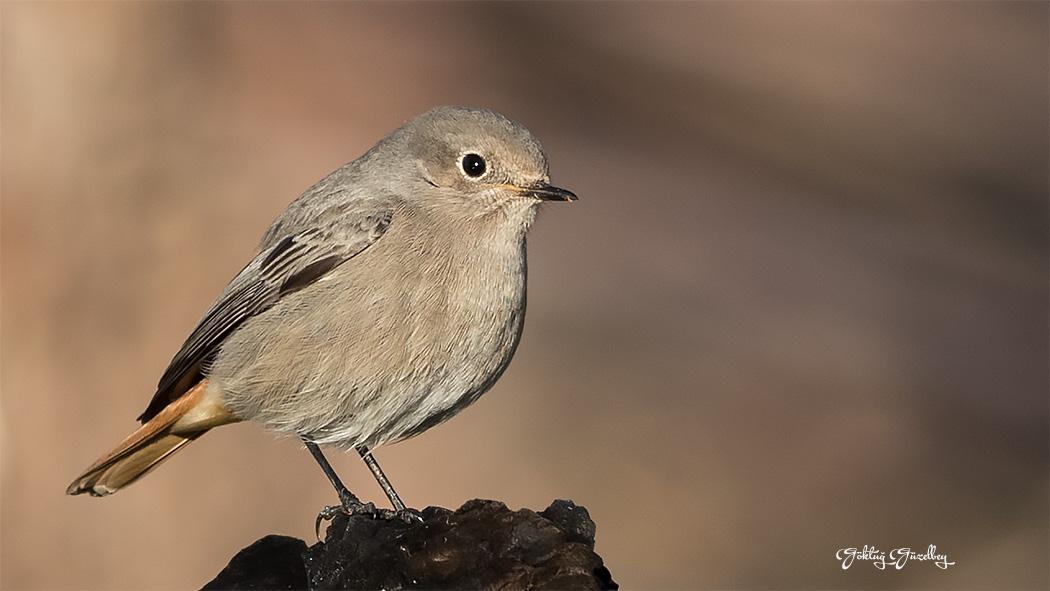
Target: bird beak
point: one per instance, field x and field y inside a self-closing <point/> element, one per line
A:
<point x="548" y="193"/>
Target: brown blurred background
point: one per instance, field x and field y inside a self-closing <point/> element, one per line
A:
<point x="802" y="304"/>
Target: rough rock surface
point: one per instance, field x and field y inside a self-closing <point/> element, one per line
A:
<point x="481" y="545"/>
<point x="273" y="562"/>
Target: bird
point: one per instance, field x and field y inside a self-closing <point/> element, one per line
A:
<point x="381" y="302"/>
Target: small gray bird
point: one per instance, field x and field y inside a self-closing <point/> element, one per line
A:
<point x="383" y="301"/>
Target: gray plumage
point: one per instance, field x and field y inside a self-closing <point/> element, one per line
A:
<point x="384" y="300"/>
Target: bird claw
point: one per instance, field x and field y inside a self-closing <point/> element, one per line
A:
<point x="358" y="508"/>
<point x="348" y="508"/>
<point x="408" y="516"/>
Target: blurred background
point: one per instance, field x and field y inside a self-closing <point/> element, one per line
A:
<point x="801" y="305"/>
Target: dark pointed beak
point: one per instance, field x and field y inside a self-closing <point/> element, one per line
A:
<point x="549" y="193"/>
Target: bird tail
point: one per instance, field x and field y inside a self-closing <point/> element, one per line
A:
<point x="185" y="419"/>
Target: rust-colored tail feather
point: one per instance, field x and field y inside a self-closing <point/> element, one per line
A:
<point x="182" y="421"/>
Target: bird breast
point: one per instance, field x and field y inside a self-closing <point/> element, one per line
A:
<point x="395" y="340"/>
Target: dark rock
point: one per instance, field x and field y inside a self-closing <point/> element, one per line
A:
<point x="273" y="562"/>
<point x="481" y="545"/>
<point x="574" y="520"/>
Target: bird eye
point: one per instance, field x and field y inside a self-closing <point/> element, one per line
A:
<point x="473" y="165"/>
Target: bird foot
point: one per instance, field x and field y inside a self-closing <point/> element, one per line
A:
<point x="351" y="507"/>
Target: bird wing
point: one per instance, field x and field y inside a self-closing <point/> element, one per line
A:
<point x="290" y="264"/>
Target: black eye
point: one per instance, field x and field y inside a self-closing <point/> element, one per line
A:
<point x="473" y="165"/>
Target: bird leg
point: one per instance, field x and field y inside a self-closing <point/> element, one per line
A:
<point x="373" y="465"/>
<point x="349" y="503"/>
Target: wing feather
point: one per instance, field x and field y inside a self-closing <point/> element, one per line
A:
<point x="291" y="264"/>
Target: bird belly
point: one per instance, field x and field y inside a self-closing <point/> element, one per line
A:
<point x="358" y="363"/>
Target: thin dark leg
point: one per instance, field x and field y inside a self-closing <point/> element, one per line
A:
<point x="373" y="465"/>
<point x="349" y="500"/>
<point x="350" y="504"/>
